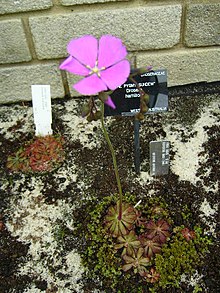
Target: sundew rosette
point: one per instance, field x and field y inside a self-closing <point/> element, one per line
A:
<point x="101" y="62"/>
<point x="42" y="154"/>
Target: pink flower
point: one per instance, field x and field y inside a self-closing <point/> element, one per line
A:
<point x="102" y="63"/>
<point x="110" y="103"/>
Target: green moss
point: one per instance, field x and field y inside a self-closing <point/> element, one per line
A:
<point x="186" y="214"/>
<point x="155" y="209"/>
<point x="99" y="256"/>
<point x="104" y="263"/>
<point x="197" y="289"/>
<point x="180" y="256"/>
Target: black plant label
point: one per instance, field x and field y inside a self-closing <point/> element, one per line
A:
<point x="127" y="96"/>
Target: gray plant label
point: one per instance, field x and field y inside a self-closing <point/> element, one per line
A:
<point x="159" y="157"/>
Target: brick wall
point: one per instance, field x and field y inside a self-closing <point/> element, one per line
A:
<point x="180" y="35"/>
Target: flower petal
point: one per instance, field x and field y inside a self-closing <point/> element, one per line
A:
<point x="110" y="103"/>
<point x="149" y="67"/>
<point x="116" y="75"/>
<point x="71" y="65"/>
<point x="111" y="51"/>
<point x="90" y="85"/>
<point x="84" y="49"/>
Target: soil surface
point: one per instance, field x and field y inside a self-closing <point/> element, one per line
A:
<point x="38" y="252"/>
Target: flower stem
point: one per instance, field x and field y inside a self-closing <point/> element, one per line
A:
<point x="114" y="161"/>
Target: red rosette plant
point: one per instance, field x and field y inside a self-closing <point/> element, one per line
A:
<point x="158" y="230"/>
<point x="43" y="154"/>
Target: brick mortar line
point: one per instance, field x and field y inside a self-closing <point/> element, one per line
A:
<point x="180" y="50"/>
<point x="59" y="9"/>
<point x="183" y="23"/>
<point x="149" y="52"/>
<point x="159" y="2"/>
<point x="31" y="63"/>
<point x="29" y="37"/>
<point x="94" y="7"/>
<point x="65" y="83"/>
<point x="56" y="2"/>
<point x="201" y="1"/>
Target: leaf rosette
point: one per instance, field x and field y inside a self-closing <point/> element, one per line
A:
<point x="137" y="261"/>
<point x="42" y="154"/>
<point x="158" y="230"/>
<point x="129" y="242"/>
<point x="151" y="246"/>
<point x="152" y="276"/>
<point x="117" y="225"/>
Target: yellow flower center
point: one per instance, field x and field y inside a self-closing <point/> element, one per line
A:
<point x="95" y="69"/>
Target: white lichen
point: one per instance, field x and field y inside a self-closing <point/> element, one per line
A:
<point x="193" y="280"/>
<point x="207" y="215"/>
<point x="186" y="159"/>
<point x="16" y="115"/>
<point x="38" y="224"/>
<point x="79" y="128"/>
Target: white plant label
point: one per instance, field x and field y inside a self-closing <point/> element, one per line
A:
<point x="41" y="101"/>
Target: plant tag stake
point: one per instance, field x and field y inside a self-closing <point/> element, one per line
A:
<point x="41" y="101"/>
<point x="137" y="162"/>
<point x="159" y="157"/>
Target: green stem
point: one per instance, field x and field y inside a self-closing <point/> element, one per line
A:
<point x="114" y="161"/>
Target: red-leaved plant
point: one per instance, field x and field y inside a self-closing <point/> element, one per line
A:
<point x="43" y="154"/>
<point x="188" y="234"/>
<point x="137" y="239"/>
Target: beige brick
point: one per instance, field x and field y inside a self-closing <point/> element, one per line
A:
<point x="16" y="81"/>
<point x="140" y="28"/>
<point x="13" y="45"/>
<point x="185" y="66"/>
<point x="74" y="2"/>
<point x="203" y="25"/>
<point x="13" y="6"/>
